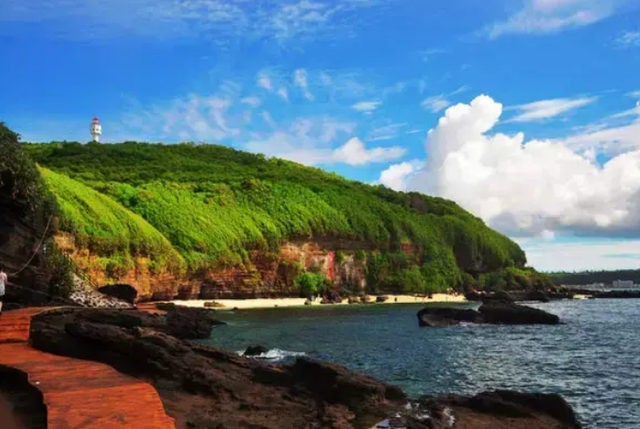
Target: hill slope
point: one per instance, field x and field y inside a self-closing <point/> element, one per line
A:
<point x="189" y="218"/>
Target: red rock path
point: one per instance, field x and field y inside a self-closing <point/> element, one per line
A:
<point x="77" y="393"/>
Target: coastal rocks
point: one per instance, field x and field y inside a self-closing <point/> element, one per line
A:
<point x="255" y="351"/>
<point x="382" y="298"/>
<point x="500" y="409"/>
<point x="491" y="313"/>
<point x="216" y="388"/>
<point x="514" y="314"/>
<point x="446" y="316"/>
<point x="191" y="323"/>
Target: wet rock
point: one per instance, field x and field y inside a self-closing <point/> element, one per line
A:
<point x="255" y="351"/>
<point x="500" y="313"/>
<point x="514" y="314"/>
<point x="446" y="316"/>
<point x="382" y="298"/>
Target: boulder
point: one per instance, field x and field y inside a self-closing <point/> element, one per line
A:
<point x="446" y="316"/>
<point x="255" y="351"/>
<point x="514" y="314"/>
<point x="500" y="313"/>
<point x="354" y="300"/>
<point x="382" y="298"/>
<point x="500" y="409"/>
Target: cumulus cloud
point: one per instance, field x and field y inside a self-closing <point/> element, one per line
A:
<point x="300" y="144"/>
<point x="397" y="176"/>
<point x="354" y="152"/>
<point x="530" y="188"/>
<point x="551" y="16"/>
<point x="546" y="109"/>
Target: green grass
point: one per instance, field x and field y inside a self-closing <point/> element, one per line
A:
<point x="212" y="205"/>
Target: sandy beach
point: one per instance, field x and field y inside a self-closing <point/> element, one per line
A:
<point x="298" y="302"/>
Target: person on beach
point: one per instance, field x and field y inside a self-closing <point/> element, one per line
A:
<point x="3" y="282"/>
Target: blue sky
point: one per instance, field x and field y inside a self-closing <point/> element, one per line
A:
<point x="354" y="86"/>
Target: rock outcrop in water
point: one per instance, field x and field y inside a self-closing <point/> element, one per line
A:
<point x="205" y="387"/>
<point x="501" y="313"/>
<point x="501" y="409"/>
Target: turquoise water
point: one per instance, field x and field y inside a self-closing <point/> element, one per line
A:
<point x="593" y="359"/>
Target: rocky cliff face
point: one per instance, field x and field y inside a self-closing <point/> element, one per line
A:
<point x="267" y="274"/>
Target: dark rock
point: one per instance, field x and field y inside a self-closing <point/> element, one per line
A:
<point x="618" y="294"/>
<point x="191" y="323"/>
<point x="500" y="409"/>
<point x="446" y="316"/>
<point x="120" y="291"/>
<point x="514" y="314"/>
<point x="382" y="298"/>
<point x="309" y="394"/>
<point x="493" y="313"/>
<point x="255" y="351"/>
<point x="308" y="302"/>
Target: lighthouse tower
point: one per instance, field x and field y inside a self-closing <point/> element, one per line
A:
<point x="95" y="129"/>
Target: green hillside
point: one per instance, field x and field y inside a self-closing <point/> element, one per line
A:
<point x="193" y="207"/>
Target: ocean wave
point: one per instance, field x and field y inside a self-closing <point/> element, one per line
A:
<point x="275" y="354"/>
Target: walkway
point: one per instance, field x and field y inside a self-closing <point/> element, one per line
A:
<point x="79" y="394"/>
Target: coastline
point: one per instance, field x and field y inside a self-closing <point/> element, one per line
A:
<point x="257" y="303"/>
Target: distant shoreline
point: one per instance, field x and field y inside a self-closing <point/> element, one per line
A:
<point x="246" y="304"/>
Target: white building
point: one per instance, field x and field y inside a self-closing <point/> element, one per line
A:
<point x="623" y="284"/>
<point x="95" y="129"/>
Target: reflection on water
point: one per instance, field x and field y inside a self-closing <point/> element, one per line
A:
<point x="592" y="359"/>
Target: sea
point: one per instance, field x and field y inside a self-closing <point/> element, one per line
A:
<point x="592" y="359"/>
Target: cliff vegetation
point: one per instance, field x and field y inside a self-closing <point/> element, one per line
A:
<point x="186" y="209"/>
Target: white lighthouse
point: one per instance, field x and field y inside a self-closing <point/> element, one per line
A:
<point x="95" y="129"/>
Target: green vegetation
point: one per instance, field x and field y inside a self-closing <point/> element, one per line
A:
<point x="23" y="193"/>
<point x="197" y="207"/>
<point x="311" y="283"/>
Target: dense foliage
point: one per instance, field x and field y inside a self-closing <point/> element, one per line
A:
<point x="25" y="198"/>
<point x="212" y="205"/>
<point x="582" y="278"/>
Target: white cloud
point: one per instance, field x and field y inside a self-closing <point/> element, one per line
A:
<point x="251" y="101"/>
<point x="397" y="176"/>
<point x="354" y="152"/>
<point x="428" y="53"/>
<point x="221" y="21"/>
<point x="535" y="187"/>
<point x="194" y="117"/>
<point x="582" y="255"/>
<point x="551" y="16"/>
<point x="386" y="132"/>
<point x="303" y="142"/>
<point x="366" y="106"/>
<point x="264" y="81"/>
<point x="546" y="109"/>
<point x="629" y="39"/>
<point x="435" y="103"/>
<point x="634" y="94"/>
<point x="283" y="93"/>
<point x="300" y="78"/>
<point x="268" y="119"/>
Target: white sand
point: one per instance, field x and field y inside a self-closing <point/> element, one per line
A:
<point x="297" y="302"/>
